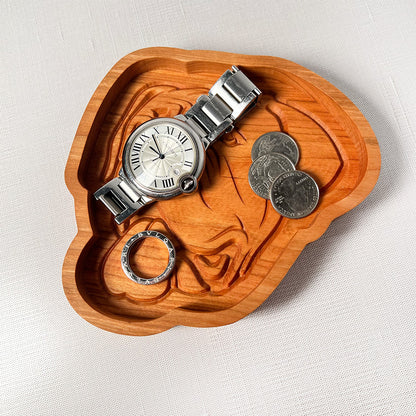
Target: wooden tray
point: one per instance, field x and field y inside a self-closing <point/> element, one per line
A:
<point x="233" y="249"/>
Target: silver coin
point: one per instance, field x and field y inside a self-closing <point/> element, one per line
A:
<point x="294" y="194"/>
<point x="265" y="169"/>
<point x="275" y="142"/>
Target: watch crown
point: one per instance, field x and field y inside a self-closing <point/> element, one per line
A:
<point x="188" y="184"/>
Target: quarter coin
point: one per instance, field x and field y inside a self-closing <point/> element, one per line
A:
<point x="294" y="194"/>
<point x="265" y="169"/>
<point x="275" y="142"/>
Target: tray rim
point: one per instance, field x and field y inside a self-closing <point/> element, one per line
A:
<point x="302" y="237"/>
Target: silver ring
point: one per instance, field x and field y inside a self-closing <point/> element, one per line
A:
<point x="125" y="257"/>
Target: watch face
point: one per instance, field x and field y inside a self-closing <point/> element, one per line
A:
<point x="158" y="154"/>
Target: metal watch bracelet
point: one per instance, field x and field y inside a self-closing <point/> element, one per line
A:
<point x="120" y="198"/>
<point x="229" y="99"/>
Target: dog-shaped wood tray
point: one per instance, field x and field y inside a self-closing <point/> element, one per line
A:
<point x="232" y="247"/>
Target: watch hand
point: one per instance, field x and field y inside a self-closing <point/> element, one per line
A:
<point x="157" y="146"/>
<point x="149" y="156"/>
<point x="151" y="148"/>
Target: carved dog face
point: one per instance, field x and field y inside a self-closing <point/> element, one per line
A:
<point x="222" y="229"/>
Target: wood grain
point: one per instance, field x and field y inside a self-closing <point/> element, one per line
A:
<point x="233" y="249"/>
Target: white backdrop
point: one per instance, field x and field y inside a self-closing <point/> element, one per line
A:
<point x="338" y="335"/>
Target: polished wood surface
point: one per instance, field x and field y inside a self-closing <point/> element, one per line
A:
<point x="232" y="248"/>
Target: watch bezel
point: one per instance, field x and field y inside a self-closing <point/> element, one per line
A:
<point x="163" y="193"/>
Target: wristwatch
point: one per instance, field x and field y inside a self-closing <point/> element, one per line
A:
<point x="165" y="157"/>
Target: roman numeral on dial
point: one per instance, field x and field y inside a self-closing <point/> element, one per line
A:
<point x="169" y="130"/>
<point x="166" y="183"/>
<point x="187" y="163"/>
<point x="182" y="138"/>
<point x="137" y="147"/>
<point x="135" y="160"/>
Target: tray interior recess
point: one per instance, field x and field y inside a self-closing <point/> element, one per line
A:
<point x="232" y="248"/>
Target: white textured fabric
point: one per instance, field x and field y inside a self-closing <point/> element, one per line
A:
<point x="336" y="338"/>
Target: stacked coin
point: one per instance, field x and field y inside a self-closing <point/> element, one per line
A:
<point x="272" y="175"/>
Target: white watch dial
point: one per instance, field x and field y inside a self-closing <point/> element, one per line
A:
<point x="160" y="155"/>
